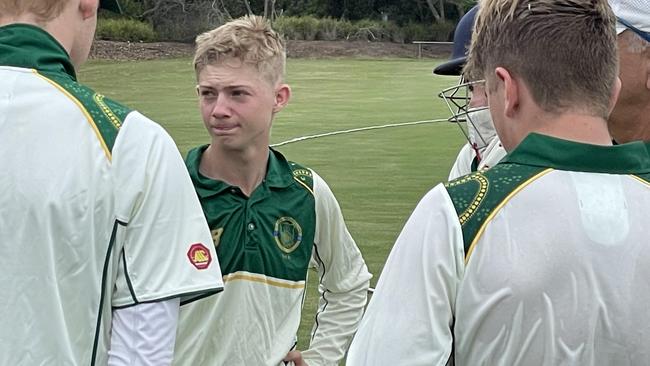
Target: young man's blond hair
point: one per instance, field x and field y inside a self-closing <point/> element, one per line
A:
<point x="540" y="41"/>
<point x="45" y="10"/>
<point x="249" y="39"/>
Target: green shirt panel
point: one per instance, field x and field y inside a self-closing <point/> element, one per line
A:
<point x="477" y="195"/>
<point x="269" y="233"/>
<point x="646" y="176"/>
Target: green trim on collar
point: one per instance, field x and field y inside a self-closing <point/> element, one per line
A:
<point x="547" y="151"/>
<point x="28" y="46"/>
<point x="279" y="173"/>
<point x="204" y="186"/>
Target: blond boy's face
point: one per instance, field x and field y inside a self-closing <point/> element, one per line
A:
<point x="237" y="105"/>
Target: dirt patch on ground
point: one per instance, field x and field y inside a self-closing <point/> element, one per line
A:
<point x="109" y="50"/>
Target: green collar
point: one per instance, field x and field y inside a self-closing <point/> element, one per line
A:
<point x="28" y="46"/>
<point x="278" y="173"/>
<point x="547" y="151"/>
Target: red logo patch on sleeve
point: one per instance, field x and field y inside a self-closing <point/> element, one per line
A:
<point x="199" y="256"/>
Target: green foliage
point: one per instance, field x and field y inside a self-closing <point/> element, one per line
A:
<point x="428" y="32"/>
<point x="371" y="30"/>
<point x="132" y="8"/>
<point x="442" y="31"/>
<point x="122" y="29"/>
<point x="298" y="28"/>
<point x="182" y="20"/>
<point x="329" y="29"/>
<point x="317" y="8"/>
<point x="345" y="29"/>
<point x="416" y="32"/>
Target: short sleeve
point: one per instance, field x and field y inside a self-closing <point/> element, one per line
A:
<point x="166" y="246"/>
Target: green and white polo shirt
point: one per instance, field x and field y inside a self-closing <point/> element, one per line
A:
<point x="97" y="210"/>
<point x="265" y="244"/>
<point x="540" y="260"/>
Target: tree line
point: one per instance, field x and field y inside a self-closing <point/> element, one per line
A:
<point x="179" y="19"/>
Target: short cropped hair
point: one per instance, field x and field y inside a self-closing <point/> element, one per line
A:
<point x="565" y="50"/>
<point x="44" y="10"/>
<point x="249" y="39"/>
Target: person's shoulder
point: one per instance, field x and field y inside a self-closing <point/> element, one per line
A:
<point x="477" y="195"/>
<point x="106" y="114"/>
<point x="479" y="192"/>
<point x="303" y="175"/>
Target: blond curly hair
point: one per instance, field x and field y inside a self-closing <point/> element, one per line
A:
<point x="44" y="10"/>
<point x="249" y="39"/>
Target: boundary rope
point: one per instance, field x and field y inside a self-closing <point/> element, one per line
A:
<point x="353" y="130"/>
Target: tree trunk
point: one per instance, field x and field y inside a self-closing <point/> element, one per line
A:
<point x="434" y="11"/>
<point x="248" y="7"/>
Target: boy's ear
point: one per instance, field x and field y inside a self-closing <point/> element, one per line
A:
<point x="616" y="92"/>
<point x="511" y="91"/>
<point x="282" y="96"/>
<point x="88" y="8"/>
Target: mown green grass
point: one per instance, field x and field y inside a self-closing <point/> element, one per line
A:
<point x="378" y="176"/>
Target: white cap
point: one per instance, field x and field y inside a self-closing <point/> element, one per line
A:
<point x="634" y="12"/>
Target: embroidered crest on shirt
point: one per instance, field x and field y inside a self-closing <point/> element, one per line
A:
<point x="479" y="195"/>
<point x="199" y="256"/>
<point x="287" y="234"/>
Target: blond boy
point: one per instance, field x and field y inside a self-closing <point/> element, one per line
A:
<point x="269" y="217"/>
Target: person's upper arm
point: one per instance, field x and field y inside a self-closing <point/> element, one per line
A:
<point x="167" y="249"/>
<point x="343" y="281"/>
<point x="410" y="316"/>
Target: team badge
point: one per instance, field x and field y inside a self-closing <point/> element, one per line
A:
<point x="287" y="234"/>
<point x="199" y="256"/>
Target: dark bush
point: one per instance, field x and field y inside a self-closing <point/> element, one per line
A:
<point x="121" y="29"/>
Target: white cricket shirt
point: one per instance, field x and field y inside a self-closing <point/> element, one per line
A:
<point x="541" y="260"/>
<point x="97" y="210"/>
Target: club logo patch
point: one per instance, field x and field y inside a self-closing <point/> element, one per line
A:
<point x="199" y="256"/>
<point x="287" y="234"/>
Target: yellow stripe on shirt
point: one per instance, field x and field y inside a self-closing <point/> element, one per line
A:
<point x="83" y="110"/>
<point x="246" y="276"/>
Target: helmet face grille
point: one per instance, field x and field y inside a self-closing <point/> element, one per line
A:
<point x="457" y="98"/>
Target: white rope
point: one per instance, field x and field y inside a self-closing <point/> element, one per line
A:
<point x="309" y="137"/>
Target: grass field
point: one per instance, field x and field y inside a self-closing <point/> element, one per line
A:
<point x="378" y="176"/>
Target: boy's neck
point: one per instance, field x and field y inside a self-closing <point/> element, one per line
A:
<point x="243" y="169"/>
<point x="577" y="127"/>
